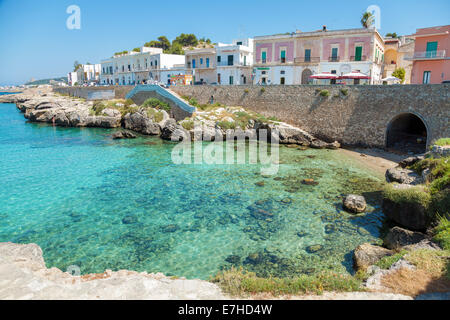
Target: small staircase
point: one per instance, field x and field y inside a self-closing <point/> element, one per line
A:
<point x="175" y="98"/>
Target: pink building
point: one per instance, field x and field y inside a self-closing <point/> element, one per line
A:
<point x="431" y="59"/>
<point x="292" y="58"/>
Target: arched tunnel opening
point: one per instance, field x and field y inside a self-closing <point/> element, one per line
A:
<point x="407" y="133"/>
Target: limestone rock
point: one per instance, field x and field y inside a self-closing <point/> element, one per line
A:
<point x="139" y="122"/>
<point x="408" y="215"/>
<point x="355" y="204"/>
<point x="410" y="161"/>
<point x="398" y="237"/>
<point x="111" y="112"/>
<point x="318" y="144"/>
<point x="366" y="255"/>
<point x="123" y="135"/>
<point x="174" y="132"/>
<point x="403" y="176"/>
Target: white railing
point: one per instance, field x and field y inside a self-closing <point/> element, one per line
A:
<point x="424" y="55"/>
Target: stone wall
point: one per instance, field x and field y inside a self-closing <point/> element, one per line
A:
<point x="359" y="118"/>
<point x="92" y="93"/>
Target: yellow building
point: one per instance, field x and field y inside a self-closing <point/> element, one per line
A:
<point x="396" y="50"/>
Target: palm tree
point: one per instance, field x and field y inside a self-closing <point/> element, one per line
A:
<point x="366" y="20"/>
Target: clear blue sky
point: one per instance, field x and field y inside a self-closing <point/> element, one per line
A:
<point x="34" y="40"/>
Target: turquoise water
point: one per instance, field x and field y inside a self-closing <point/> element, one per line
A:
<point x="97" y="203"/>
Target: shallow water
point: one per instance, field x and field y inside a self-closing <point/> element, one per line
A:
<point x="90" y="201"/>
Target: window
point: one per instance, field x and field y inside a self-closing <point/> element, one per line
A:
<point x="245" y="60"/>
<point x="201" y="60"/>
<point x="432" y="49"/>
<point x="282" y="72"/>
<point x="263" y="72"/>
<point x="333" y="72"/>
<point x="231" y="80"/>
<point x="207" y="62"/>
<point x="218" y="78"/>
<point x="230" y="60"/>
<point x="239" y="43"/>
<point x="282" y="80"/>
<point x="219" y="59"/>
<point x="358" y="53"/>
<point x="193" y="63"/>
<point x="334" y="54"/>
<point x="264" y="56"/>
<point x="307" y="55"/>
<point x="426" y="77"/>
<point x="283" y="56"/>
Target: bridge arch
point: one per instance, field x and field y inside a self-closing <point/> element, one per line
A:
<point x="408" y="132"/>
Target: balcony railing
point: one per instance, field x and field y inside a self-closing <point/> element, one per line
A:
<point x="333" y="59"/>
<point x="428" y="55"/>
<point x="358" y="58"/>
<point x="307" y="60"/>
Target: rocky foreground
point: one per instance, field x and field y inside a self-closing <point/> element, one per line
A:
<point x="219" y="123"/>
<point x="24" y="276"/>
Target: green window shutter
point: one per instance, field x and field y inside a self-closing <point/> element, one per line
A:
<point x="283" y="54"/>
<point x="432" y="49"/>
<point x="307" y="54"/>
<point x="358" y="53"/>
<point x="264" y="56"/>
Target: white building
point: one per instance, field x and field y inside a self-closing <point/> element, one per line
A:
<point x="86" y="74"/>
<point x="234" y="62"/>
<point x="139" y="67"/>
<point x="166" y="74"/>
<point x="224" y="64"/>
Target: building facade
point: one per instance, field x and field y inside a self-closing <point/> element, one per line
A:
<point x="139" y="67"/>
<point x="201" y="64"/>
<point x="224" y="64"/>
<point x="397" y="51"/>
<point x="431" y="58"/>
<point x="234" y="62"/>
<point x="293" y="58"/>
<point x="86" y="74"/>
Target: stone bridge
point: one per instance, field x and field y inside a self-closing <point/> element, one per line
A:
<point x="395" y="116"/>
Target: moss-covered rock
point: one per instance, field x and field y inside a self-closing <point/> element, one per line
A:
<point x="407" y="206"/>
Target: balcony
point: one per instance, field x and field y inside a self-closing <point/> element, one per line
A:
<point x="307" y="60"/>
<point x="428" y="55"/>
<point x="358" y="58"/>
<point x="334" y="59"/>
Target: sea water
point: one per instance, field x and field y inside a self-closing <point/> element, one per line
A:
<point x="98" y="203"/>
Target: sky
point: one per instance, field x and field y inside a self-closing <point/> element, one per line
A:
<point x="36" y="43"/>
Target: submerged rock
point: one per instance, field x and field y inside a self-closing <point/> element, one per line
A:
<point x="314" y="248"/>
<point x="355" y="204"/>
<point x="234" y="259"/>
<point x="170" y="228"/>
<point x="123" y="135"/>
<point x="310" y="182"/>
<point x="130" y="220"/>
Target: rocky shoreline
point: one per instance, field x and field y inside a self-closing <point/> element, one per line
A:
<point x="64" y="111"/>
<point x="22" y="268"/>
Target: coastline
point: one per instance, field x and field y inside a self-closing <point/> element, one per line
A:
<point x="99" y="286"/>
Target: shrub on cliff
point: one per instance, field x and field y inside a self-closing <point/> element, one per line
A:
<point x="324" y="93"/>
<point x="157" y="104"/>
<point x="238" y="282"/>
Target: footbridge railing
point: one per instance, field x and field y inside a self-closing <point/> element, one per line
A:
<point x="164" y="93"/>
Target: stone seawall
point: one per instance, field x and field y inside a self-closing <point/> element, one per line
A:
<point x="353" y="115"/>
<point x="93" y="93"/>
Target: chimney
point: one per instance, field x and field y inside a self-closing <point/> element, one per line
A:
<point x="324" y="28"/>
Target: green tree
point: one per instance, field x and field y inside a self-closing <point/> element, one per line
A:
<point x="187" y="40"/>
<point x="392" y="35"/>
<point x="366" y="20"/>
<point x="76" y="66"/>
<point x="176" y="48"/>
<point x="136" y="50"/>
<point x="400" y="73"/>
<point x="164" y="43"/>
